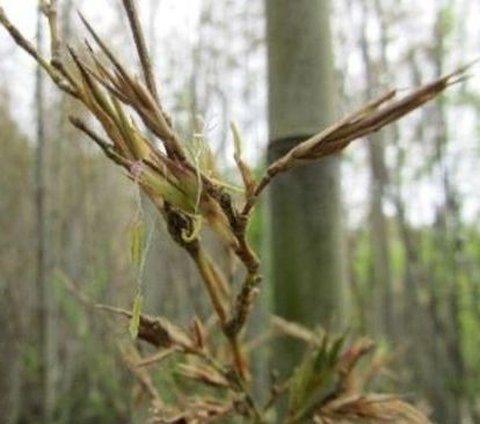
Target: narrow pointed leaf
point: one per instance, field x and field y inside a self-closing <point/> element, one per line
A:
<point x="137" y="242"/>
<point x="136" y="315"/>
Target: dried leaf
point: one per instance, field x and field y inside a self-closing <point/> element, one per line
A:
<point x="297" y="331"/>
<point x="245" y="171"/>
<point x="203" y="374"/>
<point x="157" y="331"/>
<point x="157" y="358"/>
<point x="199" y="333"/>
<point x="372" y="408"/>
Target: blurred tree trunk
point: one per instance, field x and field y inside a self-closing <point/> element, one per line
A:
<point x="379" y="238"/>
<point x="306" y="266"/>
<point x="61" y="362"/>
<point x="16" y="261"/>
<point x="10" y="376"/>
<point x="36" y="391"/>
<point x="447" y="230"/>
<point x="431" y="306"/>
<point x="424" y="329"/>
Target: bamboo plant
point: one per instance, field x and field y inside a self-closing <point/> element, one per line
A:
<point x="128" y="123"/>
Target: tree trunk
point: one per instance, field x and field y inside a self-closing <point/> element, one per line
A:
<point x="379" y="241"/>
<point x="306" y="268"/>
<point x="446" y="235"/>
<point x="36" y="381"/>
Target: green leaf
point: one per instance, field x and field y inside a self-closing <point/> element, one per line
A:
<point x="136" y="313"/>
<point x="315" y="375"/>
<point x="137" y="242"/>
<point x="335" y="349"/>
<point x="301" y="378"/>
<point x="167" y="189"/>
<point x="320" y="361"/>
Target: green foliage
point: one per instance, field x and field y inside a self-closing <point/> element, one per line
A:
<point x="97" y="393"/>
<point x="314" y="377"/>
<point x="446" y="21"/>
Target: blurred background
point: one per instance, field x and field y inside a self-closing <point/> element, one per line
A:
<point x="411" y="202"/>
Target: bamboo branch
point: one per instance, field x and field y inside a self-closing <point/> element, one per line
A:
<point x="107" y="148"/>
<point x="143" y="101"/>
<point x="145" y="380"/>
<point x="368" y="119"/>
<point x="142" y="50"/>
<point x="213" y="281"/>
<point x="50" y="10"/>
<point x="28" y="47"/>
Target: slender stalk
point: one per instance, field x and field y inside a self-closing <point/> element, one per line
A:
<point x="211" y="279"/>
<point x="50" y="10"/>
<point x="141" y="45"/>
<point x="21" y="41"/>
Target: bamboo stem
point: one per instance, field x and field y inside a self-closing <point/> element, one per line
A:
<point x="141" y="45"/>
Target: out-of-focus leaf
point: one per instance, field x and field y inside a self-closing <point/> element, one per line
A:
<point x="245" y="171"/>
<point x="161" y="186"/>
<point x="203" y="374"/>
<point x="136" y="314"/>
<point x="315" y="376"/>
<point x="199" y="333"/>
<point x="137" y="242"/>
<point x="297" y="331"/>
<point x="202" y="156"/>
<point x="335" y="349"/>
<point x="301" y="377"/>
<point x="370" y="408"/>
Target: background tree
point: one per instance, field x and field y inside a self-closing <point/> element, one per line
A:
<point x="305" y="212"/>
<point x="17" y="262"/>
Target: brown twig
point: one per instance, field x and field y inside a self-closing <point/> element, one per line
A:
<point x="20" y="40"/>
<point x="157" y="331"/>
<point x="50" y="10"/>
<point x="81" y="297"/>
<point x="144" y="379"/>
<point x="243" y="304"/>
<point x="107" y="148"/>
<point x="157" y="358"/>
<point x="245" y="297"/>
<point x="142" y="50"/>
<point x="296" y="331"/>
<point x="213" y="281"/>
